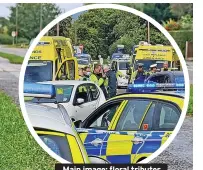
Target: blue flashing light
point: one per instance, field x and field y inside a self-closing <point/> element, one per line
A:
<point x="36" y="89"/>
<point x="150" y="87"/>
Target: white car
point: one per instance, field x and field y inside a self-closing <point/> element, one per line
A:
<point x="80" y="98"/>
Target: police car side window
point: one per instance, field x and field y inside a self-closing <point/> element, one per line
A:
<point x="132" y="115"/>
<point x="148" y="120"/>
<point x="167" y="118"/>
<point x="106" y="115"/>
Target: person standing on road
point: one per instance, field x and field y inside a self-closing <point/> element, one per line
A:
<point x="81" y="74"/>
<point x="87" y="73"/>
<point x="111" y="81"/>
<point x="153" y="69"/>
<point x="165" y="67"/>
<point x="139" y="73"/>
<point x="98" y="78"/>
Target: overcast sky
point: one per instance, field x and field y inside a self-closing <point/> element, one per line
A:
<point x="5" y="12"/>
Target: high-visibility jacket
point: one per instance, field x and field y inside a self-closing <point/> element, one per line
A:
<point x="135" y="75"/>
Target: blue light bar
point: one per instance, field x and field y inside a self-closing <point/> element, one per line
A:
<point x="150" y="87"/>
<point x="39" y="90"/>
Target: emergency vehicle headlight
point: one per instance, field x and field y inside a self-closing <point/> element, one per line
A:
<point x="39" y="90"/>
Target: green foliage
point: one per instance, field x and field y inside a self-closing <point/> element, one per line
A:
<point x="29" y="18"/>
<point x="64" y="28"/>
<point x="6" y="39"/>
<point x="181" y="37"/>
<point x="190" y="106"/>
<point x="159" y="11"/>
<point x="102" y="29"/>
<point x="186" y="22"/>
<point x="181" y="9"/>
<point x="18" y="148"/>
<point x="12" y="58"/>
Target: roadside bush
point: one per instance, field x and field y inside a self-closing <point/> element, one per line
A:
<point x="181" y="37"/>
<point x="5" y="39"/>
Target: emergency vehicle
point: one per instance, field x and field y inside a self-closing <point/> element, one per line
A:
<point x="130" y="127"/>
<point x="52" y="59"/>
<point x="79" y="98"/>
<point x="55" y="128"/>
<point x="84" y="60"/>
<point x="120" y="65"/>
<point x="148" y="54"/>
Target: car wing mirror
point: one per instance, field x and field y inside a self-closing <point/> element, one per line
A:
<point x="78" y="123"/>
<point x="80" y="101"/>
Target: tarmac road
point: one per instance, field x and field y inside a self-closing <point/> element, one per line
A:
<point x="179" y="153"/>
<point x="17" y="51"/>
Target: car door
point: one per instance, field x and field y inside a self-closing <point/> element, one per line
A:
<point x="119" y="141"/>
<point x="157" y="126"/>
<point x="82" y="110"/>
<point x="94" y="132"/>
<point x="123" y="145"/>
<point x="94" y="96"/>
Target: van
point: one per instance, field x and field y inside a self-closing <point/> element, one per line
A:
<point x="52" y="59"/>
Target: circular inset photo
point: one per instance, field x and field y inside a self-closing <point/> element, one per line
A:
<point x="104" y="83"/>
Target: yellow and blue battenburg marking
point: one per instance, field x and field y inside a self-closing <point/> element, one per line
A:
<point x="118" y="147"/>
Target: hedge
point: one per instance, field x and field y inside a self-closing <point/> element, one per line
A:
<point x="7" y="40"/>
<point x="181" y="37"/>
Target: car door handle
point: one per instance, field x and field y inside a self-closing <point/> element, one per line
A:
<point x="137" y="140"/>
<point x="97" y="142"/>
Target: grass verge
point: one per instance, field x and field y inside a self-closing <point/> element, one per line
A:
<point x="18" y="148"/>
<point x="190" y="106"/>
<point x="14" y="59"/>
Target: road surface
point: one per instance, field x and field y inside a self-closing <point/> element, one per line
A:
<point x="17" y="51"/>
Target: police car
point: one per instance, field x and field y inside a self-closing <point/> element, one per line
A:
<point x="121" y="66"/>
<point x="79" y="98"/>
<point x="130" y="127"/>
<point x="56" y="130"/>
<point x="166" y="77"/>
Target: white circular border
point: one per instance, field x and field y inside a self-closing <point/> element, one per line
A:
<point x="99" y="6"/>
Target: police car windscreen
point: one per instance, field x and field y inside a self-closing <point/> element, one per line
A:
<point x="38" y="71"/>
<point x="123" y="65"/>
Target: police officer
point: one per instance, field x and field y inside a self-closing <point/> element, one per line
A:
<point x="138" y="73"/>
<point x="111" y="81"/>
<point x="165" y="67"/>
<point x="153" y="69"/>
<point x="99" y="78"/>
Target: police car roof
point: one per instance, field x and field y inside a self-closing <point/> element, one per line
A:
<point x="66" y="82"/>
<point x="180" y="94"/>
<point x="49" y="118"/>
<point x="175" y="73"/>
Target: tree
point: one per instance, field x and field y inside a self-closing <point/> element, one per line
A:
<point x="101" y="30"/>
<point x="4" y="24"/>
<point x="64" y="28"/>
<point x="158" y="11"/>
<point x="29" y="18"/>
<point x="181" y="9"/>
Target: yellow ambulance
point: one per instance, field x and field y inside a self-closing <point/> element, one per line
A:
<point x="52" y="59"/>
